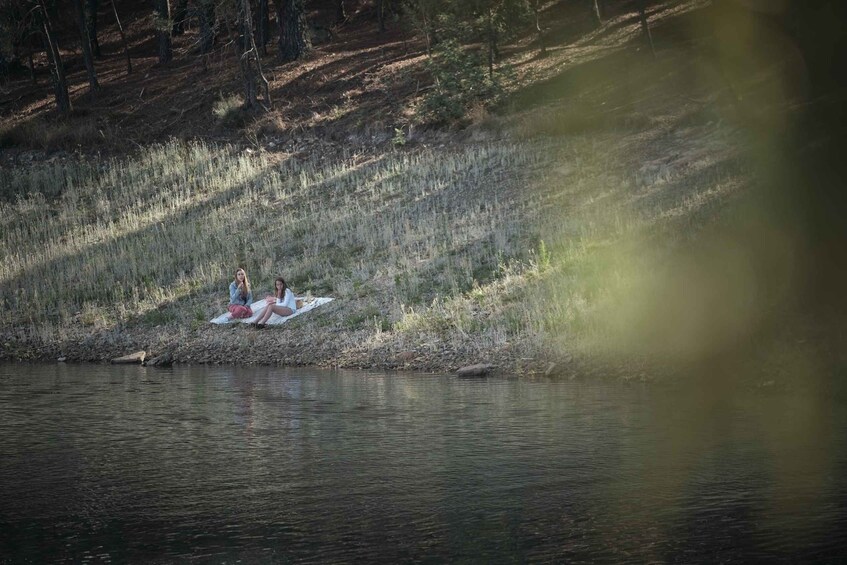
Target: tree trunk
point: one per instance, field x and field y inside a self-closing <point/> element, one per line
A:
<point x="263" y="26"/>
<point x="597" y="11"/>
<point x="259" y="75"/>
<point x="340" y="13"/>
<point x="180" y="14"/>
<point x="491" y="43"/>
<point x="91" y="26"/>
<point x="428" y="26"/>
<point x="380" y="14"/>
<point x="93" y="86"/>
<point x="123" y="39"/>
<point x="542" y="46"/>
<point x="207" y="25"/>
<point x="294" y="39"/>
<point x="244" y="58"/>
<point x="642" y="13"/>
<point x="249" y="61"/>
<point x="57" y="71"/>
<point x="31" y="66"/>
<point x="162" y="17"/>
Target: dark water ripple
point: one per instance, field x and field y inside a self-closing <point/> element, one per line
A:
<point x="111" y="464"/>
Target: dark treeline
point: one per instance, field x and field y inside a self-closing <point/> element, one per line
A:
<point x="464" y="38"/>
<point x="29" y="27"/>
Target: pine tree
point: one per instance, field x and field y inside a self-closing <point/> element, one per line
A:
<point x="208" y="28"/>
<point x="294" y="39"/>
<point x="123" y="38"/>
<point x="91" y="26"/>
<point x="57" y="70"/>
<point x="163" y="27"/>
<point x="84" y="38"/>
<point x="249" y="61"/>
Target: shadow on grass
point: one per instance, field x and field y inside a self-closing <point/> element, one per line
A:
<point x="171" y="237"/>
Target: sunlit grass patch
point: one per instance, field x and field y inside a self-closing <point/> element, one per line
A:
<point x="229" y="110"/>
<point x="173" y="221"/>
<point x="532" y="244"/>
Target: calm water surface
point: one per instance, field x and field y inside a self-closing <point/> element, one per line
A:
<point x="101" y="463"/>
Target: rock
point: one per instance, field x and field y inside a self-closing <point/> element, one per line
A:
<point x="164" y="360"/>
<point x="62" y="359"/>
<point x="479" y="370"/>
<point x="406" y="356"/>
<point x="131" y="359"/>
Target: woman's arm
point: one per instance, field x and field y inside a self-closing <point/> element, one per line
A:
<point x="233" y="292"/>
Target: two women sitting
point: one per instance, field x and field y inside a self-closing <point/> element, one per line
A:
<point x="241" y="297"/>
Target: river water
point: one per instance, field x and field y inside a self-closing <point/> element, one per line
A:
<point x="258" y="465"/>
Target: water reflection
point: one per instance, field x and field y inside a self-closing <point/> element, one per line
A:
<point x="125" y="463"/>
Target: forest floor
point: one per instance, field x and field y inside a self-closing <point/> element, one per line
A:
<point x="559" y="233"/>
<point x="357" y="89"/>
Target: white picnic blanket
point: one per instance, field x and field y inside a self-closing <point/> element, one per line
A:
<point x="259" y="306"/>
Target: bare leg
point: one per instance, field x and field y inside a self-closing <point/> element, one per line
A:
<point x="274" y="309"/>
<point x="263" y="319"/>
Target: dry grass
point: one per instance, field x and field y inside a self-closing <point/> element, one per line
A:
<point x="126" y="237"/>
<point x="43" y="133"/>
<point x="500" y="243"/>
<point x="534" y="240"/>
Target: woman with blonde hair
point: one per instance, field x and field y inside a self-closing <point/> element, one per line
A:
<point x="283" y="303"/>
<point x="240" y="295"/>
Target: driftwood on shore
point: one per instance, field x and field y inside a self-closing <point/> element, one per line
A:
<point x="478" y="370"/>
<point x="131" y="359"/>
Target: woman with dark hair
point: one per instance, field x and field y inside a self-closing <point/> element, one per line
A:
<point x="240" y="295"/>
<point x="283" y="303"/>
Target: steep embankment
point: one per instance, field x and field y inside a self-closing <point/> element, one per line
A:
<point x="500" y="251"/>
<point x="535" y="240"/>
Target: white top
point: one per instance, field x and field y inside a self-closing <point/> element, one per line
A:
<point x="288" y="300"/>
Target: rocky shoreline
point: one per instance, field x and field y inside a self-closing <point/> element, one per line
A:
<point x="245" y="345"/>
<point x="337" y="348"/>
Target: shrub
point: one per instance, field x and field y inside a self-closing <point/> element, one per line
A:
<point x="461" y="82"/>
<point x="229" y="110"/>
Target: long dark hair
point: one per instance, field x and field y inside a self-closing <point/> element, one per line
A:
<point x="280" y="293"/>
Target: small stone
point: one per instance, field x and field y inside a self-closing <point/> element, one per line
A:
<point x="62" y="359"/>
<point x="164" y="360"/>
<point x="406" y="356"/>
<point x="478" y="370"/>
<point x="131" y="359"/>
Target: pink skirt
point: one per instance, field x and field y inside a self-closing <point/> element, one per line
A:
<point x="239" y="311"/>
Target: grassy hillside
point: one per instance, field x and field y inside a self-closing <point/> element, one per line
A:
<point x="603" y="213"/>
<point x="509" y="249"/>
<point x="136" y="240"/>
